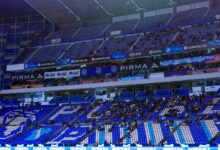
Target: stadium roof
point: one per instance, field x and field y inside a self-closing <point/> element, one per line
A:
<point x="69" y="11"/>
<point x="15" y="8"/>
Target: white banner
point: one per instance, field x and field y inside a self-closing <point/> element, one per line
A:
<point x="217" y="17"/>
<point x="15" y="67"/>
<point x="197" y="89"/>
<point x="212" y="88"/>
<point x="62" y="74"/>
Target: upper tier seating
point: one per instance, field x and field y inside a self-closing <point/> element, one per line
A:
<point x="158" y="33"/>
<point x="116" y="44"/>
<point x="81" y="50"/>
<point x="49" y="53"/>
<point x="196" y="35"/>
<point x="186" y="17"/>
<point x="151" y="22"/>
<point x="123" y="26"/>
<point x="63" y="34"/>
<point x="129" y="43"/>
<point x="90" y="32"/>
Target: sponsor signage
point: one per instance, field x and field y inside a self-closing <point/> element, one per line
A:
<point x="190" y="72"/>
<point x="62" y="74"/>
<point x="138" y="54"/>
<point x="131" y="78"/>
<point x="30" y="66"/>
<point x="174" y="49"/>
<point x="58" y="62"/>
<point x="197" y="89"/>
<point x="80" y="61"/>
<point x="183" y="61"/>
<point x="133" y="67"/>
<point x="119" y="55"/>
<point x="27" y="76"/>
<point x="15" y="67"/>
<point x="214" y="44"/>
<point x="213" y="59"/>
<point x="155" y="52"/>
<point x="38" y="65"/>
<point x="99" y="70"/>
<point x="115" y="69"/>
<point x="46" y="64"/>
<point x="212" y="88"/>
<point x="194" y="47"/>
<point x="100" y="58"/>
<point x="64" y="61"/>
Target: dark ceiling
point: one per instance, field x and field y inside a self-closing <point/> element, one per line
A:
<point x="12" y="8"/>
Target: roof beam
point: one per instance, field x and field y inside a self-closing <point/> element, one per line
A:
<point x="105" y="10"/>
<point x="137" y="6"/>
<point x="70" y="10"/>
<point x="30" y="4"/>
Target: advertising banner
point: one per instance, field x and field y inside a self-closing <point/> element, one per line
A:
<point x="174" y="49"/>
<point x="25" y="76"/>
<point x="155" y="52"/>
<point x="62" y="74"/>
<point x="197" y="89"/>
<point x="99" y="70"/>
<point x="196" y="47"/>
<point x="30" y="65"/>
<point x="137" y="54"/>
<point x="118" y="68"/>
<point x="214" y="44"/>
<point x="46" y="64"/>
<point x="64" y="61"/>
<point x="100" y="58"/>
<point x="15" y="67"/>
<point x="212" y="88"/>
<point x="119" y="55"/>
<point x="182" y="61"/>
<point x="130" y="78"/>
<point x="213" y="59"/>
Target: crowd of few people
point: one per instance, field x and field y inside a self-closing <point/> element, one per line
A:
<point x="129" y="114"/>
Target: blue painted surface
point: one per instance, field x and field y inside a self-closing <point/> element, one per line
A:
<point x="151" y="131"/>
<point x="180" y="135"/>
<point x="101" y="137"/>
<point x="207" y="132"/>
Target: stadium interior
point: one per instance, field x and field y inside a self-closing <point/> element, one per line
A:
<point x="91" y="73"/>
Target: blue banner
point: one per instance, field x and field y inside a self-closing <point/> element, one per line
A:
<point x="118" y="68"/>
<point x="174" y="49"/>
<point x="99" y="70"/>
<point x="30" y="65"/>
<point x="119" y="55"/>
<point x="64" y="61"/>
<point x="214" y="44"/>
<point x="183" y="61"/>
<point x="131" y="78"/>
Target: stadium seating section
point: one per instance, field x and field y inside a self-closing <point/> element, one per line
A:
<point x="150" y="33"/>
<point x="151" y="119"/>
<point x="160" y="119"/>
